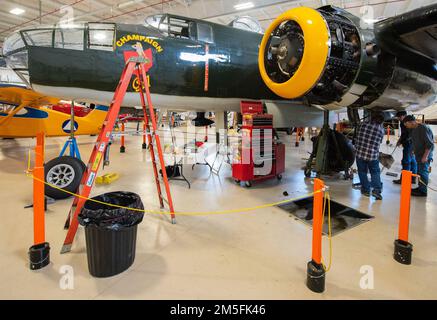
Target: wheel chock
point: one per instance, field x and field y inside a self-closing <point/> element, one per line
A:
<point x="107" y="178"/>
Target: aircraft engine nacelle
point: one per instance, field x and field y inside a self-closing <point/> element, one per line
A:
<point x="314" y="53"/>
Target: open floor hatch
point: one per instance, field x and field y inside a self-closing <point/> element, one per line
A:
<point x="343" y="217"/>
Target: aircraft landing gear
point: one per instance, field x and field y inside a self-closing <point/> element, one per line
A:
<point x="308" y="171"/>
<point x="65" y="172"/>
<point x="332" y="152"/>
<point x="349" y="174"/>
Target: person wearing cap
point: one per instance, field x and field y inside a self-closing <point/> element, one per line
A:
<point x="423" y="145"/>
<point x="368" y="140"/>
<point x="408" y="159"/>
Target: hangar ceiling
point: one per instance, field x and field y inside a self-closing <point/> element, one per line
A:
<point x="26" y="13"/>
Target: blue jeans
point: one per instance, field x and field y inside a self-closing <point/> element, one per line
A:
<point x="423" y="171"/>
<point x="372" y="166"/>
<point x="408" y="159"/>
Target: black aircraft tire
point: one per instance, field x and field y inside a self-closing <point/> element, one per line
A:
<point x="64" y="172"/>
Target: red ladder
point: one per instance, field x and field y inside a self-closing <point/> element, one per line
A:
<point x="137" y="66"/>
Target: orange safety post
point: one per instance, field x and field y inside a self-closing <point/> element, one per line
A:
<point x="144" y="146"/>
<point x="299" y="135"/>
<point x="388" y="135"/>
<point x="39" y="253"/>
<point x="315" y="270"/>
<point x="206" y="134"/>
<point x="317" y="221"/>
<point x="40" y="137"/>
<point x="122" y="147"/>
<point x="38" y="192"/>
<point x="403" y="249"/>
<point x="172" y="121"/>
<point x="404" y="218"/>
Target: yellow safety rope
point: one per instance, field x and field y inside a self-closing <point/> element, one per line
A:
<point x="327" y="203"/>
<point x="428" y="186"/>
<point x="198" y="213"/>
<point x="28" y="163"/>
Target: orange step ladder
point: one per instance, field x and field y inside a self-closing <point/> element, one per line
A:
<point x="138" y="66"/>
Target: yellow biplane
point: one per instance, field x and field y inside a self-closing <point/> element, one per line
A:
<point x="24" y="113"/>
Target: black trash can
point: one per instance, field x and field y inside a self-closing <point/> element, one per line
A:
<point x="111" y="232"/>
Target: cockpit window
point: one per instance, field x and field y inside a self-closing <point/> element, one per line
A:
<point x="69" y="38"/>
<point x="96" y="36"/>
<point x="163" y="25"/>
<point x="204" y="33"/>
<point x="153" y="21"/>
<point x="179" y="28"/>
<point x="38" y="37"/>
<point x="101" y="36"/>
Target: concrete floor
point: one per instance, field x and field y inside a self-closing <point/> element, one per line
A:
<point x="253" y="255"/>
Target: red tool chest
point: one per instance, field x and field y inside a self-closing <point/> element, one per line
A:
<point x="259" y="156"/>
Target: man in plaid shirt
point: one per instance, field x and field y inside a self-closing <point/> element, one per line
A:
<point x="369" y="138"/>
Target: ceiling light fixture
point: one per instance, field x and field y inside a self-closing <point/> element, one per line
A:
<point x="17" y="11"/>
<point x="128" y="3"/>
<point x="243" y="6"/>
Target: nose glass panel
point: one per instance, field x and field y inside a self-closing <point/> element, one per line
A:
<point x="39" y="37"/>
<point x="14" y="50"/>
<point x="13" y="43"/>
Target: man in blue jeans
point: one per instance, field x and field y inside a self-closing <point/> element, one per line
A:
<point x="408" y="159"/>
<point x="423" y="146"/>
<point x="368" y="140"/>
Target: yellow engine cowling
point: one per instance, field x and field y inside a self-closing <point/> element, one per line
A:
<point x="313" y="58"/>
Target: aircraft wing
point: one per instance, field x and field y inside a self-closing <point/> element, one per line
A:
<point x="17" y="95"/>
<point x="13" y="98"/>
<point x="412" y="38"/>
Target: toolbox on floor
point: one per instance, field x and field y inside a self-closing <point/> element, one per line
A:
<point x="258" y="156"/>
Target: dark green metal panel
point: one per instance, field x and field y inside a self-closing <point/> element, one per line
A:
<point x="179" y="69"/>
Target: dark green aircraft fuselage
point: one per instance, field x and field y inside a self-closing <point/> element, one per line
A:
<point x="195" y="61"/>
<point x="226" y="68"/>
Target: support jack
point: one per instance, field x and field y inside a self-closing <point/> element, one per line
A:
<point x="74" y="149"/>
<point x="71" y="143"/>
<point x="331" y="153"/>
